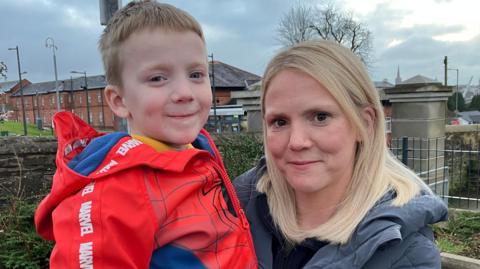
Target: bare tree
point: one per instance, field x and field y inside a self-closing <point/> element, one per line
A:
<point x="295" y="25"/>
<point x="326" y="22"/>
<point x="3" y="70"/>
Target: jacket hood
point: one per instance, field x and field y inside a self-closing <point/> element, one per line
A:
<point x="387" y="225"/>
<point x="85" y="155"/>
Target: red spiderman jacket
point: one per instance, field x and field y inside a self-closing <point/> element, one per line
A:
<point x="118" y="203"/>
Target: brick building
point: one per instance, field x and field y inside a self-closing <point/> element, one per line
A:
<point x="229" y="79"/>
<point x="40" y="102"/>
<point x="8" y="88"/>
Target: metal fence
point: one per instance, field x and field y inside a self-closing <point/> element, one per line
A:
<point x="451" y="169"/>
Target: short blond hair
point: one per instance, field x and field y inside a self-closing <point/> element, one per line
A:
<point x="137" y="16"/>
<point x="375" y="171"/>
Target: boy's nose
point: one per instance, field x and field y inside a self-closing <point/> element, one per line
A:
<point x="182" y="91"/>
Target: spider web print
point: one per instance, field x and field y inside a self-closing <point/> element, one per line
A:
<point x="194" y="215"/>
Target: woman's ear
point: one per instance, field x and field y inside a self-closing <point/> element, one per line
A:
<point x="115" y="101"/>
<point x="369" y="119"/>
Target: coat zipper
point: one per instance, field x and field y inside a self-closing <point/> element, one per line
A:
<point x="236" y="205"/>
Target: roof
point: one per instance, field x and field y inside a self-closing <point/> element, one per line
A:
<point x="383" y="84"/>
<point x="471" y="116"/>
<point x="75" y="84"/>
<point x="228" y="76"/>
<point x="7" y="85"/>
<point x="418" y="79"/>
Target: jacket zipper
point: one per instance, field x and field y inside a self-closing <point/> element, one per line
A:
<point x="236" y="206"/>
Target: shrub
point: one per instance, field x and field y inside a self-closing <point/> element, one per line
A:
<point x="20" y="246"/>
<point x="240" y="151"/>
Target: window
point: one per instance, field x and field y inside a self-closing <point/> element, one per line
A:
<point x="52" y="100"/>
<point x="100" y="118"/>
<point x="91" y="117"/>
<point x="99" y="98"/>
<point x="43" y="101"/>
<point x="388" y="125"/>
<point x="80" y="99"/>
<point x="35" y="102"/>
<point x="89" y="99"/>
<point x="61" y="99"/>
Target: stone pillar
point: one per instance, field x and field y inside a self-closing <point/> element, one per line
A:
<point x="419" y="113"/>
<point x="250" y="100"/>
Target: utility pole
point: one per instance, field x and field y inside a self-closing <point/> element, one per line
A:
<point x="214" y="95"/>
<point x="21" y="91"/>
<point x="445" y="63"/>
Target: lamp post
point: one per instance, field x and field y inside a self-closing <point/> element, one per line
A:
<point x="50" y="43"/>
<point x="214" y="94"/>
<point x="72" y="101"/>
<point x="86" y="92"/>
<point x="456" y="95"/>
<point x="21" y="90"/>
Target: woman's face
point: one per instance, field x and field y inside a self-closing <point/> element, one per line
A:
<point x="308" y="135"/>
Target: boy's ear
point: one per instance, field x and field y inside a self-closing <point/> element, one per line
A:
<point x="115" y="101"/>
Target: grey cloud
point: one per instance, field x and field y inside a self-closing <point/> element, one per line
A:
<point x="419" y="53"/>
<point x="249" y="42"/>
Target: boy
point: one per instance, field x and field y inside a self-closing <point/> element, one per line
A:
<point x="152" y="198"/>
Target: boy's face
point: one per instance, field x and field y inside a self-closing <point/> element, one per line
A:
<point x="165" y="85"/>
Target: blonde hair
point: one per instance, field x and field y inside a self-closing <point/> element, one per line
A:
<point x="375" y="171"/>
<point x="137" y="16"/>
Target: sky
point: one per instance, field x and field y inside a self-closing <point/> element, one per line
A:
<point x="413" y="35"/>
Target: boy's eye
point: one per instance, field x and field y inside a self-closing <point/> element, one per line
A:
<point x="196" y="75"/>
<point x="157" y="78"/>
<point x="277" y="123"/>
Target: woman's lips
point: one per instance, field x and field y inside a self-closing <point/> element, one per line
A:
<point x="303" y="164"/>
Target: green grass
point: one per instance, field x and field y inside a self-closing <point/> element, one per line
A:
<point x="460" y="235"/>
<point x="16" y="128"/>
<point x="446" y="244"/>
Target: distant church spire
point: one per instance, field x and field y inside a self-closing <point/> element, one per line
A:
<point x="398" y="80"/>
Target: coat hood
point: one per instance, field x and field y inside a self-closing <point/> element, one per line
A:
<point x="85" y="155"/>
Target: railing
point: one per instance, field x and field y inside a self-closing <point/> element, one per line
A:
<point x="452" y="170"/>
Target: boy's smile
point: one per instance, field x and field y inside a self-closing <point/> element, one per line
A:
<point x="165" y="89"/>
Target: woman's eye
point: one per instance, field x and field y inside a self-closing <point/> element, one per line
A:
<point x="157" y="78"/>
<point x="321" y="116"/>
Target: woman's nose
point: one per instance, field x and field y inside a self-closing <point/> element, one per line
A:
<point x="299" y="138"/>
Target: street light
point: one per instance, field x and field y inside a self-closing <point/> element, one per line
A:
<point x="456" y="95"/>
<point x="86" y="92"/>
<point x="21" y="90"/>
<point x="50" y="43"/>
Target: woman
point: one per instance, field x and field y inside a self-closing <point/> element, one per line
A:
<point x="328" y="193"/>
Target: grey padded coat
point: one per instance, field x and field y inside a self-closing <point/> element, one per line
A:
<point x="388" y="237"/>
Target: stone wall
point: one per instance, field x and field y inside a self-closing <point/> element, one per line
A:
<point x="30" y="161"/>
<point x="27" y="165"/>
<point x="466" y="134"/>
